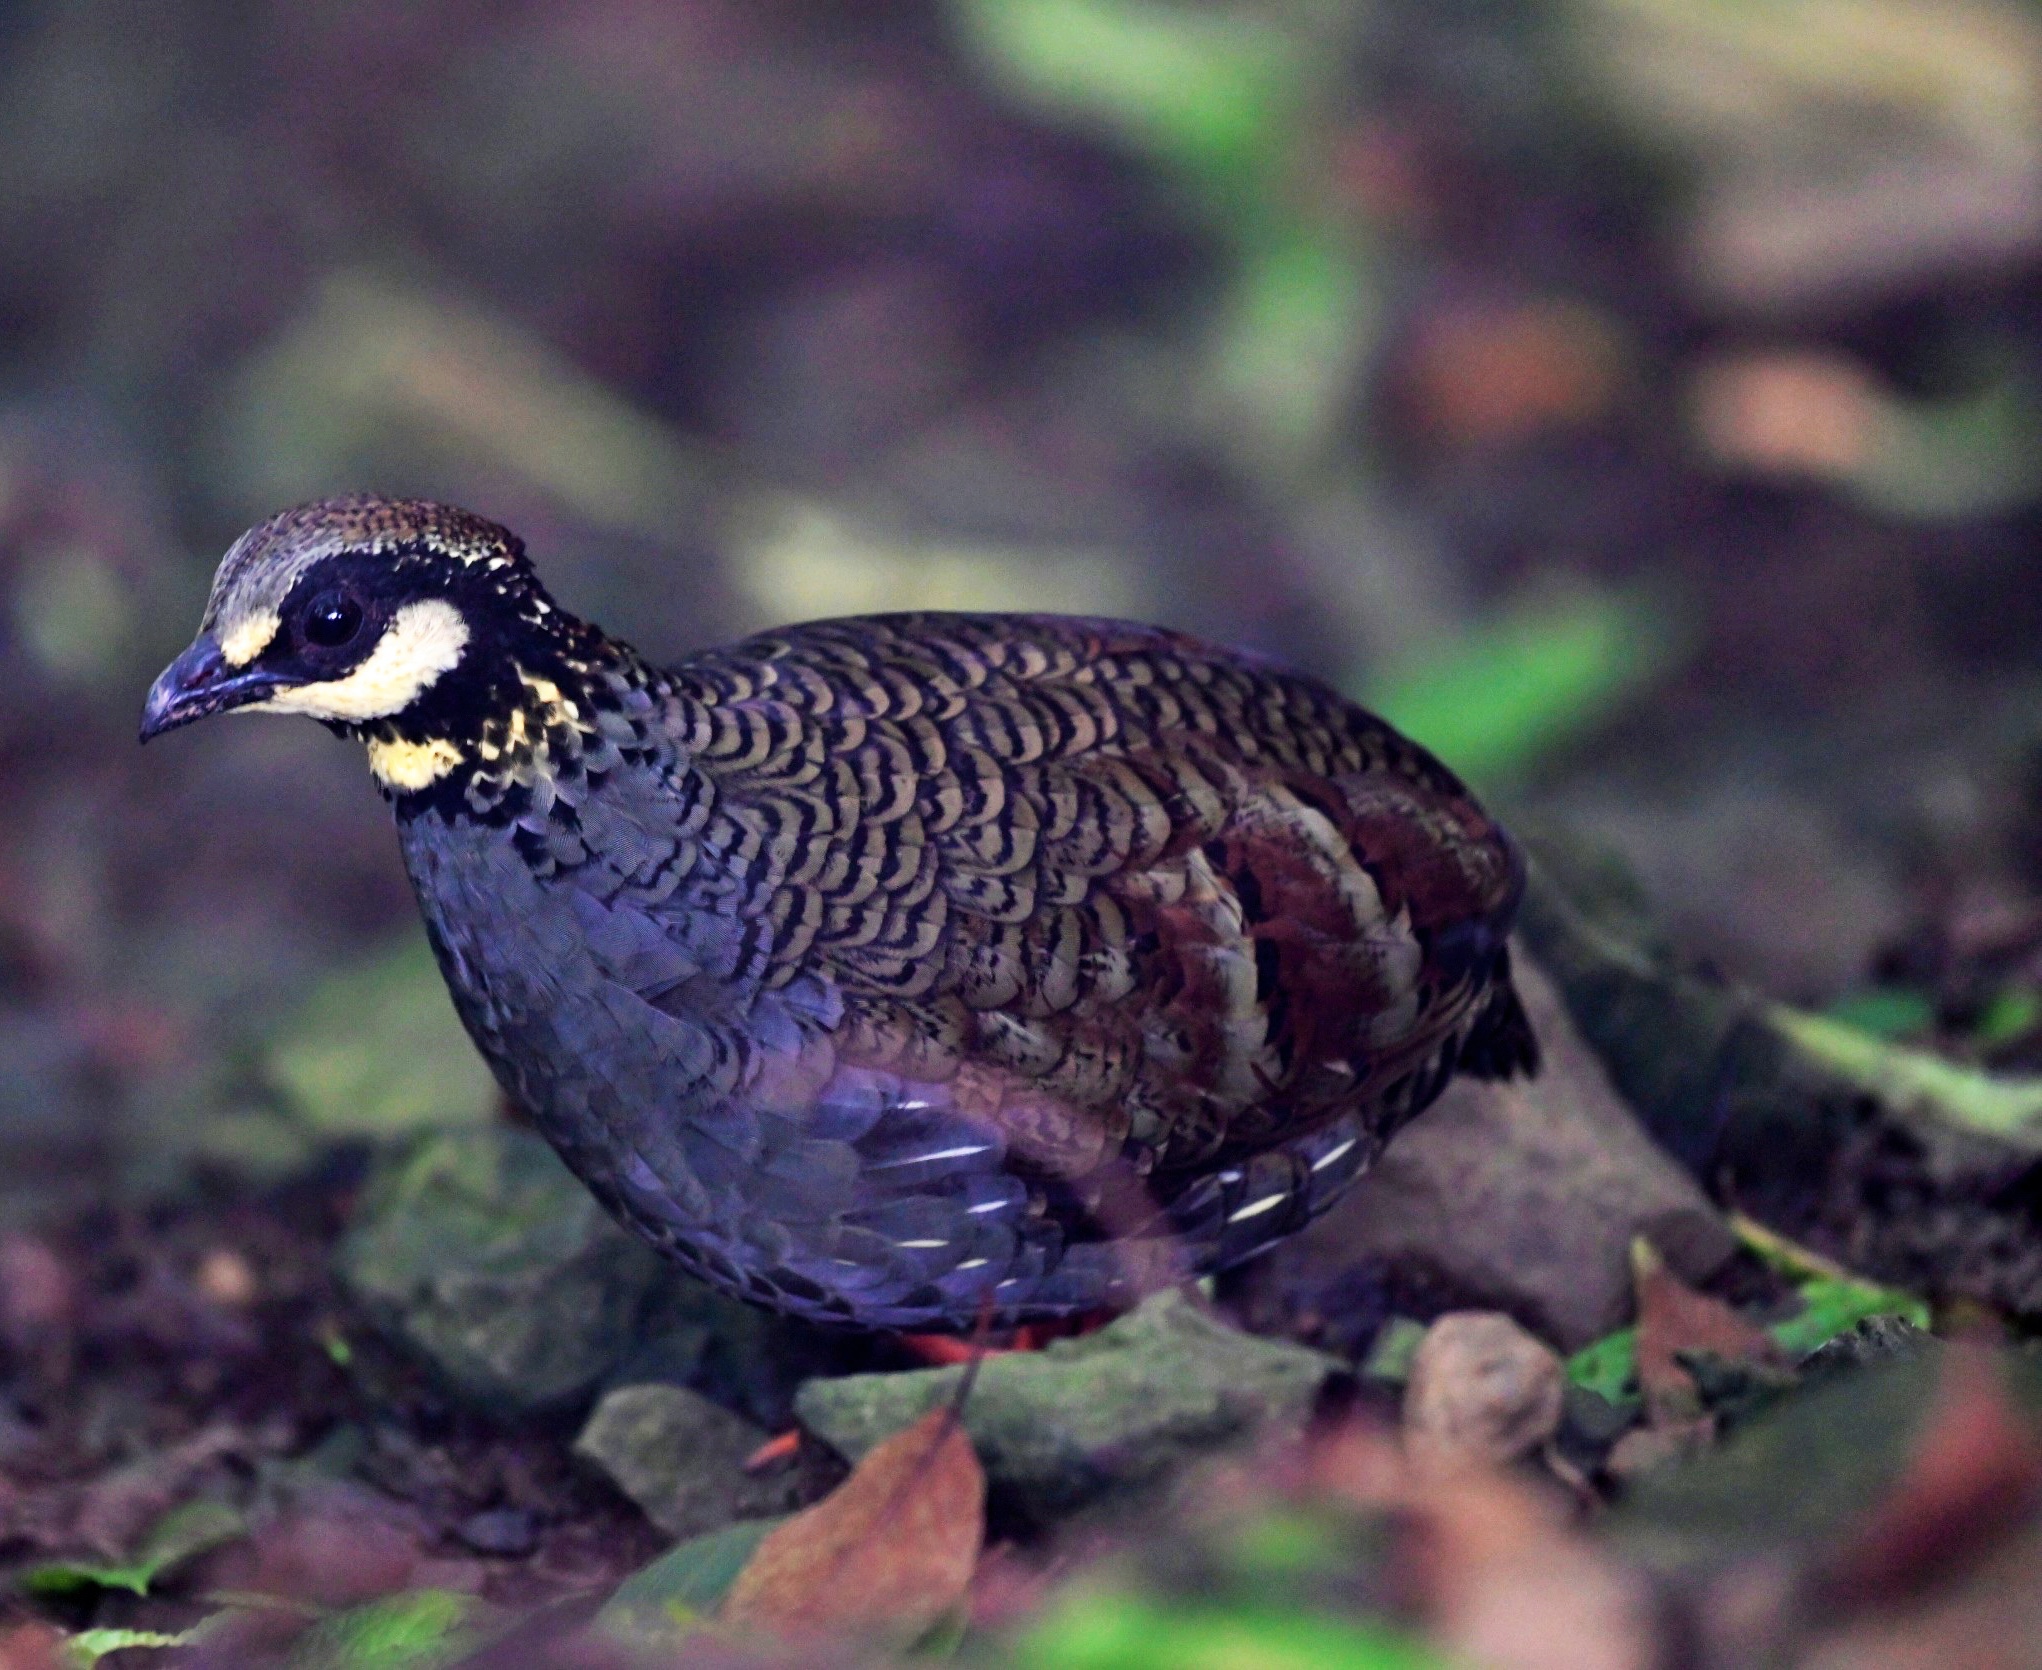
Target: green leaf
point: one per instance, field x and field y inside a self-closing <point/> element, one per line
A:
<point x="658" y="1606"/>
<point x="85" y="1649"/>
<point x="177" y="1537"/>
<point x="1886" y="1011"/>
<point x="1195" y="85"/>
<point x="1113" y="1629"/>
<point x="1389" y="1358"/>
<point x="1298" y="320"/>
<point x="418" y="1630"/>
<point x="1609" y="1367"/>
<point x="2012" y="1013"/>
<point x="1835" y="1306"/>
<point x="1285" y="1542"/>
<point x="1831" y="1305"/>
<point x="1502" y="696"/>
<point x="2007" y="1107"/>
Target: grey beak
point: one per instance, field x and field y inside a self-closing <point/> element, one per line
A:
<point x="198" y="684"/>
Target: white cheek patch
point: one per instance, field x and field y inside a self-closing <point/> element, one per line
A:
<point x="421" y="644"/>
<point x="248" y="638"/>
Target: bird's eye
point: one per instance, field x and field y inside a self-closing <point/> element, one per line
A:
<point x="331" y="619"/>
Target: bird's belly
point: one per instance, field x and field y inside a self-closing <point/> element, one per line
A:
<point x="822" y="1187"/>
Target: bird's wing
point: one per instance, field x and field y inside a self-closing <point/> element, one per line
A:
<point x="1121" y="891"/>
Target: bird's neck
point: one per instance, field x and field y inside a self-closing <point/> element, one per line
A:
<point x="511" y="722"/>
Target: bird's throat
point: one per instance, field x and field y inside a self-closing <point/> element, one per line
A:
<point x="500" y="730"/>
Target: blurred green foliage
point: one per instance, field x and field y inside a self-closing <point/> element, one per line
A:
<point x="417" y="1630"/>
<point x="1830" y="1305"/>
<point x="1210" y="90"/>
<point x="377" y="1051"/>
<point x="1110" y="1628"/>
<point x="180" y="1535"/>
<point x="1510" y="692"/>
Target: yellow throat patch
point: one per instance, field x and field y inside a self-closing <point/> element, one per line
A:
<point x="411" y="766"/>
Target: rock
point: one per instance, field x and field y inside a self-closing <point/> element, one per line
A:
<point x="1876" y="1339"/>
<point x="1759" y="879"/>
<point x="1521" y="1197"/>
<point x="681" y="1459"/>
<point x="1059" y="1428"/>
<point x="507" y="1533"/>
<point x="1889" y="1160"/>
<point x="1646" y="1449"/>
<point x="740" y="1357"/>
<point x="1482" y="1392"/>
<point x="482" y="1256"/>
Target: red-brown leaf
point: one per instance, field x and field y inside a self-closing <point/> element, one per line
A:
<point x="884" y="1555"/>
<point x="1673" y="1318"/>
<point x="31" y="1647"/>
<point x="1976" y="1466"/>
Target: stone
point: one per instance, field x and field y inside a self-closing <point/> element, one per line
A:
<point x="1522" y="1197"/>
<point x="1061" y="1428"/>
<point x="1482" y="1392"/>
<point x="482" y="1256"/>
<point x="681" y="1459"/>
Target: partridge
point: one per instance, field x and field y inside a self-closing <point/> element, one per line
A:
<point x="903" y="971"/>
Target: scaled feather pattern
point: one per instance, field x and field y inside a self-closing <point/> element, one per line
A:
<point x="903" y="970"/>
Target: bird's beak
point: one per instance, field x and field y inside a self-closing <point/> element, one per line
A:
<point x="199" y="683"/>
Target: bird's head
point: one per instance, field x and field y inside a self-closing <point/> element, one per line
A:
<point x="390" y="619"/>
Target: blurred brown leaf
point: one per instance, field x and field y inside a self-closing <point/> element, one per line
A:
<point x="1493" y="1560"/>
<point x="1673" y="1319"/>
<point x="1976" y="1468"/>
<point x="884" y="1555"/>
<point x="31" y="1647"/>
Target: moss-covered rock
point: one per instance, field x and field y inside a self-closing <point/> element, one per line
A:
<point x="480" y="1254"/>
<point x="1059" y="1428"/>
<point x="681" y="1458"/>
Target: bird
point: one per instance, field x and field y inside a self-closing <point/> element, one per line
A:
<point x="910" y="972"/>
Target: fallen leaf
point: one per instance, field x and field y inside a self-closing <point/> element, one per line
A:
<point x="115" y="1509"/>
<point x="1976" y="1467"/>
<point x="419" y="1630"/>
<point x="658" y="1607"/>
<point x="885" y="1555"/>
<point x="181" y="1534"/>
<point x="31" y="1647"/>
<point x="85" y="1649"/>
<point x="1675" y="1321"/>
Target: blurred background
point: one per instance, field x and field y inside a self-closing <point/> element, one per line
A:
<point x="1639" y="400"/>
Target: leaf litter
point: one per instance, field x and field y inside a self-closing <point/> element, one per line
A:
<point x="886" y="1555"/>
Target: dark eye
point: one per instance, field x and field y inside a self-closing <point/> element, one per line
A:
<point x="331" y="619"/>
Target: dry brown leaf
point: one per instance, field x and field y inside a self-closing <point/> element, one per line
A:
<point x="118" y="1506"/>
<point x="885" y="1555"/>
<point x="1673" y="1318"/>
<point x="31" y="1647"/>
<point x="1490" y="1558"/>
<point x="1976" y="1467"/>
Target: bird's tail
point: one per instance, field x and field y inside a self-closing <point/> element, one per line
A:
<point x="1502" y="1044"/>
